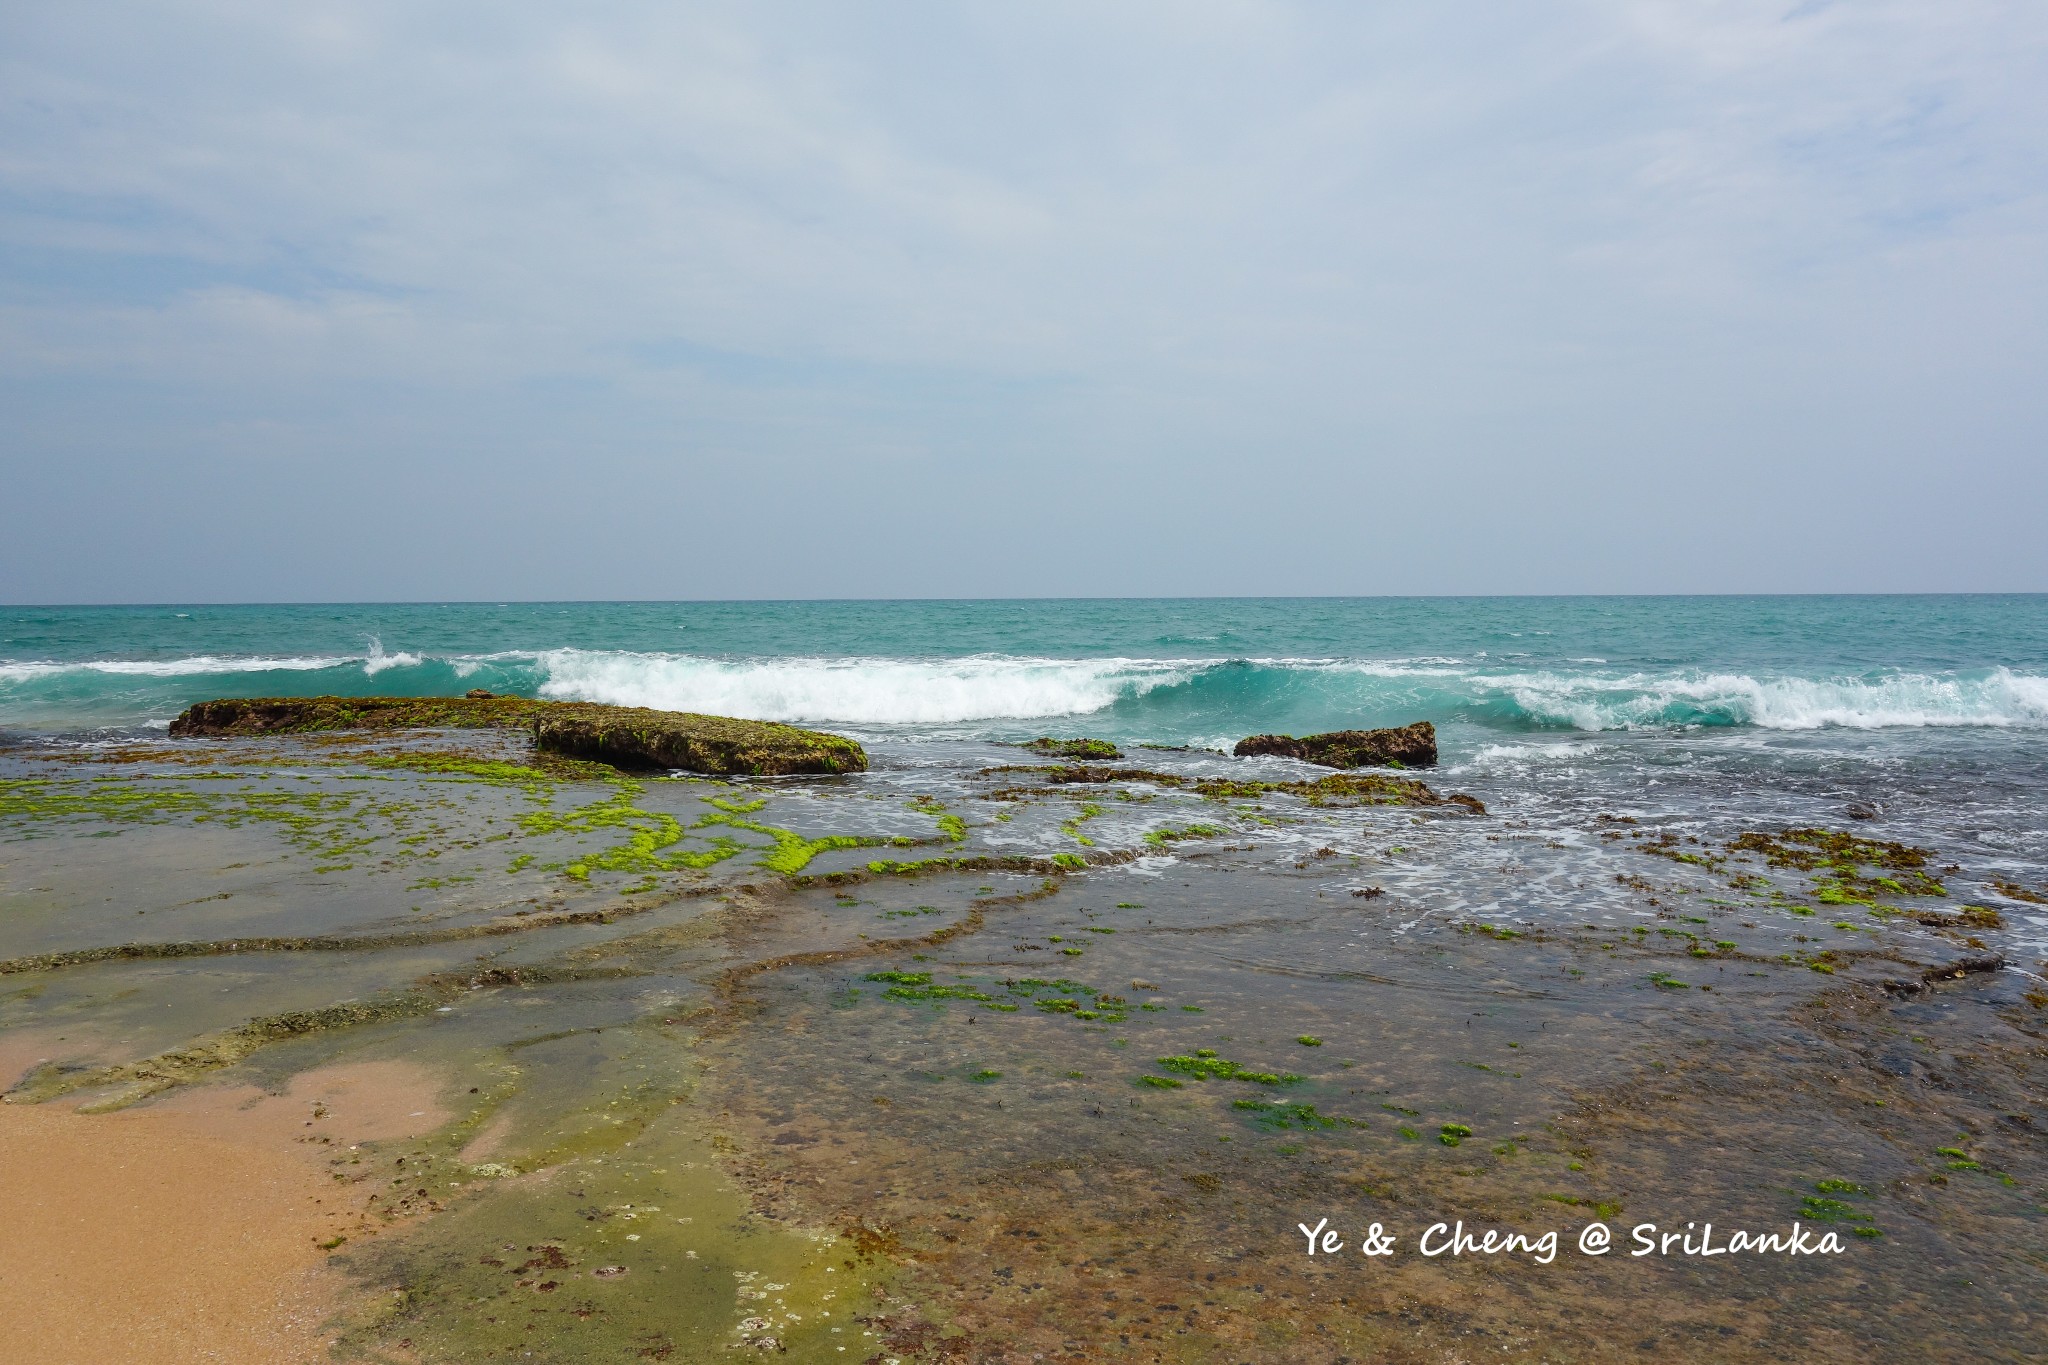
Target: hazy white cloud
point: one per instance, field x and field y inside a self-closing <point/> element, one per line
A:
<point x="1660" y="273"/>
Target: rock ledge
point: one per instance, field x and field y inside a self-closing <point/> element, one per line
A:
<point x="1409" y="746"/>
<point x="623" y="736"/>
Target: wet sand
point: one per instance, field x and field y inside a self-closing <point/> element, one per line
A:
<point x="193" y="1230"/>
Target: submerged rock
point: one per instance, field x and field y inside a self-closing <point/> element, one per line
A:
<point x="1075" y="748"/>
<point x="633" y="737"/>
<point x="1410" y="746"/>
<point x="623" y="736"/>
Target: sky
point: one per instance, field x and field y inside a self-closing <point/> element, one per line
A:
<point x="350" y="300"/>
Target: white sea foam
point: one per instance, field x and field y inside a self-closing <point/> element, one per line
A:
<point x="1242" y="695"/>
<point x="164" y="668"/>
<point x="1640" y="701"/>
<point x="875" y="691"/>
<point x="377" y="660"/>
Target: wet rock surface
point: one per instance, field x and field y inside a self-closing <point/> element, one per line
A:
<point x="622" y="736"/>
<point x="1407" y="746"/>
<point x="629" y="737"/>
<point x="305" y="715"/>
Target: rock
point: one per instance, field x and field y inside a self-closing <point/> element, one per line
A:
<point x="1964" y="966"/>
<point x="623" y="736"/>
<point x="294" y="715"/>
<point x="1410" y="746"/>
<point x="1947" y="971"/>
<point x="478" y="694"/>
<point x="633" y="737"/>
<point x="1965" y="917"/>
<point x="1075" y="748"/>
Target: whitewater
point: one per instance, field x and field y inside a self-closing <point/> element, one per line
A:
<point x="1482" y="668"/>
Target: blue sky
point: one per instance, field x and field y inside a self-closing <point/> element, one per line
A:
<point x="369" y="300"/>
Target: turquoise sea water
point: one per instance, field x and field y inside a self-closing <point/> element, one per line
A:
<point x="1166" y="671"/>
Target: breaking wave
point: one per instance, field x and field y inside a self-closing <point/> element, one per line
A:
<point x="1172" y="700"/>
<point x="869" y="691"/>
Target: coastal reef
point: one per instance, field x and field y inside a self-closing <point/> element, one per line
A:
<point x="1074" y="748"/>
<point x="622" y="736"/>
<point x="1409" y="746"/>
<point x="633" y="737"/>
<point x="302" y="715"/>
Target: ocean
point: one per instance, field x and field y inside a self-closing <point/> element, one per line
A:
<point x="1487" y="671"/>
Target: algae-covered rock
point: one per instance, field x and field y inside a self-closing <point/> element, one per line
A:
<point x="298" y="715"/>
<point x="623" y="736"/>
<point x="1409" y="746"/>
<point x="633" y="737"/>
<point x="1074" y="748"/>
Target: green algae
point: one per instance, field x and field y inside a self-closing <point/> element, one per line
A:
<point x="952" y="828"/>
<point x="1838" y="860"/>
<point x="1058" y="997"/>
<point x="609" y="1230"/>
<point x="791" y="852"/>
<point x="649" y="834"/>
<point x="1072" y="827"/>
<point x="1058" y="863"/>
<point x="335" y="826"/>
<point x="1205" y="1065"/>
<point x="640" y="738"/>
<point x="1277" y="1116"/>
<point x="302" y="715"/>
<point x="901" y="978"/>
<point x="1166" y="834"/>
<point x="1074" y="748"/>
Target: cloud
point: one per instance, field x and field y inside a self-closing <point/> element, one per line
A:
<point x="1435" y="251"/>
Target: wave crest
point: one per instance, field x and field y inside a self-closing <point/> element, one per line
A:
<point x="870" y="691"/>
<point x="1166" y="700"/>
<point x="1638" y="702"/>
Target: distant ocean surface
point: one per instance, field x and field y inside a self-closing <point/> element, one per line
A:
<point x="1173" y="671"/>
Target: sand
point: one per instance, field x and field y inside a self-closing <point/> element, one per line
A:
<point x="190" y="1229"/>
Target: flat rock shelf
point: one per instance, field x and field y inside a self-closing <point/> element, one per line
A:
<point x="623" y="736"/>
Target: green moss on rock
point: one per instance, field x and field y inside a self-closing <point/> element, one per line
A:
<point x="633" y="737"/>
<point x="1410" y="746"/>
<point x="1074" y="748"/>
<point x="623" y="736"/>
<point x="301" y="715"/>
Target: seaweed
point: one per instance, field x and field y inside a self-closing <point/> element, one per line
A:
<point x="1205" y="1065"/>
<point x="1073" y="748"/>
